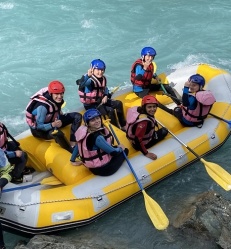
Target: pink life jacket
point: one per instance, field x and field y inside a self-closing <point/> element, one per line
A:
<point x="92" y="158"/>
<point x="3" y="136"/>
<point x="147" y="76"/>
<point x="133" y="118"/>
<point x="205" y="101"/>
<point x="52" y="113"/>
<point x="96" y="93"/>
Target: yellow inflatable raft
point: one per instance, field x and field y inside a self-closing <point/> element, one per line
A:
<point x="62" y="196"/>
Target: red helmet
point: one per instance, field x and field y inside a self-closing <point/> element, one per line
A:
<point x="149" y="99"/>
<point x="56" y="87"/>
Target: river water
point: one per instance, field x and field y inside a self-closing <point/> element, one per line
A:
<point x="45" y="40"/>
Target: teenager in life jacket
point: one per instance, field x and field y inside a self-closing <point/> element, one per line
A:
<point x="93" y="93"/>
<point x="142" y="129"/>
<point x="142" y="72"/>
<point x="15" y="155"/>
<point x="44" y="115"/>
<point x="95" y="146"/>
<point x="196" y="102"/>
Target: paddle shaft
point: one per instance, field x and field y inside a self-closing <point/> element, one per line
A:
<point x="126" y="158"/>
<point x="194" y="153"/>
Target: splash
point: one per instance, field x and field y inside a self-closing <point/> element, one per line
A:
<point x="87" y="24"/>
<point x="6" y="6"/>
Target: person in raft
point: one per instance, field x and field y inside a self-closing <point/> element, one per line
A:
<point x="142" y="129"/>
<point x="142" y="73"/>
<point x="95" y="146"/>
<point x="5" y="176"/>
<point x="93" y="93"/>
<point x="44" y="115"/>
<point x="15" y="155"/>
<point x="196" y="102"/>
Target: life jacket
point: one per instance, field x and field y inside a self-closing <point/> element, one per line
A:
<point x="96" y="93"/>
<point x="205" y="101"/>
<point x="3" y="136"/>
<point x="147" y="76"/>
<point x="92" y="158"/>
<point x="36" y="99"/>
<point x="133" y="118"/>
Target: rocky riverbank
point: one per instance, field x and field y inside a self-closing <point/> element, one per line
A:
<point x="206" y="220"/>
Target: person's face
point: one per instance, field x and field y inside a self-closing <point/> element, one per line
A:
<point x="194" y="87"/>
<point x="148" y="58"/>
<point x="95" y="123"/>
<point x="98" y="72"/>
<point x="57" y="97"/>
<point x="151" y="109"/>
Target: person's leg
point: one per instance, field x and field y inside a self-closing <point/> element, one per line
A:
<point x="112" y="166"/>
<point x="75" y="119"/>
<point x="118" y="106"/>
<point x="143" y="93"/>
<point x="169" y="90"/>
<point x="159" y="135"/>
<point x="20" y="164"/>
<point x="41" y="134"/>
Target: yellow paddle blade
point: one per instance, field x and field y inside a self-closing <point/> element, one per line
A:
<point x="220" y="175"/>
<point x="156" y="214"/>
<point x="115" y="89"/>
<point x="52" y="180"/>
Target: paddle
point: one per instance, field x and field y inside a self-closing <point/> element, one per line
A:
<point x="221" y="176"/>
<point x="156" y="214"/>
<point x="52" y="180"/>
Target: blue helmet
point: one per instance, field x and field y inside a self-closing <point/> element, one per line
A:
<point x="148" y="50"/>
<point x="90" y="114"/>
<point x="99" y="64"/>
<point x="198" y="79"/>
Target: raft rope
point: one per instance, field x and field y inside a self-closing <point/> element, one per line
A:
<point x="100" y="197"/>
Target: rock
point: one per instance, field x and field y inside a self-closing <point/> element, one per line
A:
<point x="57" y="242"/>
<point x="209" y="217"/>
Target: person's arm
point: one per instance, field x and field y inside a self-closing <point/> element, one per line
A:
<point x="10" y="154"/>
<point x="74" y="155"/>
<point x="139" y="72"/>
<point x="103" y="145"/>
<point x="41" y="113"/>
<point x="188" y="100"/>
<point x="139" y="134"/>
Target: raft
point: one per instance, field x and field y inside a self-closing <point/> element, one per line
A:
<point x="61" y="196"/>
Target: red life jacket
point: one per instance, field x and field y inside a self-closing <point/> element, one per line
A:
<point x="96" y="93"/>
<point x="133" y="118"/>
<point x="92" y="158"/>
<point x="205" y="101"/>
<point x="53" y="110"/>
<point x="146" y="78"/>
<point x="3" y="136"/>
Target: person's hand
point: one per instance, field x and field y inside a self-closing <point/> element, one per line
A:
<point x="104" y="100"/>
<point x="146" y="64"/>
<point x="57" y="123"/>
<point x="90" y="72"/>
<point x="121" y="146"/>
<point x="187" y="83"/>
<point x="18" y="153"/>
<point x="151" y="156"/>
<point x="77" y="163"/>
